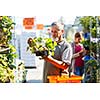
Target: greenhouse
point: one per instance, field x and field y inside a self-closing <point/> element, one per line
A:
<point x="27" y="43"/>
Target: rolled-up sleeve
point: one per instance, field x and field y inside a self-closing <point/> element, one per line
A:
<point x="67" y="55"/>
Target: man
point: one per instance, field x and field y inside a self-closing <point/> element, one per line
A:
<point x="62" y="53"/>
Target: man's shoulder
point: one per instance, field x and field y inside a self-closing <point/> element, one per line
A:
<point x="67" y="44"/>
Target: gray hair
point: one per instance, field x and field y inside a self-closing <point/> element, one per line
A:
<point x="59" y="25"/>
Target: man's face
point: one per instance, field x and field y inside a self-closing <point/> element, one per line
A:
<point x="56" y="33"/>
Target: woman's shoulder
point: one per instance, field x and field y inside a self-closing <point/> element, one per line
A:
<point x="81" y="44"/>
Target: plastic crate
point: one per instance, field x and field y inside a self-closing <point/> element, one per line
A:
<point x="52" y="79"/>
<point x="65" y="79"/>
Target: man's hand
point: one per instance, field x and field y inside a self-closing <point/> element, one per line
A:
<point x="59" y="62"/>
<point x="69" y="69"/>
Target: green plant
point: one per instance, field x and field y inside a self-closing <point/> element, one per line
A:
<point x="90" y="24"/>
<point x="90" y="71"/>
<point x="21" y="73"/>
<point x="6" y="74"/>
<point x="7" y="56"/>
<point x="41" y="46"/>
<point x="86" y="21"/>
<point x="6" y="25"/>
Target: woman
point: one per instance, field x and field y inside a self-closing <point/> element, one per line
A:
<point x="77" y="62"/>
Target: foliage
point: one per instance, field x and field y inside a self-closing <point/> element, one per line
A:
<point x="21" y="73"/>
<point x="6" y="24"/>
<point x="6" y="74"/>
<point x="40" y="45"/>
<point x="86" y="21"/>
<point x="7" y="57"/>
<point x="90" y="71"/>
<point x="90" y="24"/>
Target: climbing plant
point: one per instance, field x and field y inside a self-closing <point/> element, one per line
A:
<point x="7" y="50"/>
<point x="90" y="29"/>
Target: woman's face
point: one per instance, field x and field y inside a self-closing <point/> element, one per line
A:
<point x="78" y="39"/>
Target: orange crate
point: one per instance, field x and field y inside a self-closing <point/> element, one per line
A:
<point x="52" y="79"/>
<point x="75" y="79"/>
<point x="72" y="79"/>
<point x="65" y="79"/>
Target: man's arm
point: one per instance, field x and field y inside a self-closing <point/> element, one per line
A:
<point x="55" y="62"/>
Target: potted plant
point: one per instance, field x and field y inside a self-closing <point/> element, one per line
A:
<point x="41" y="46"/>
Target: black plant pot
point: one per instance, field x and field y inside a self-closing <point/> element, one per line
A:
<point x="1" y="81"/>
<point x="42" y="53"/>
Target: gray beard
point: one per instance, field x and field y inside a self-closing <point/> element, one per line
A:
<point x="55" y="39"/>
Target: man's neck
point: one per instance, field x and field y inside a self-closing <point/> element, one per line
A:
<point x="59" y="40"/>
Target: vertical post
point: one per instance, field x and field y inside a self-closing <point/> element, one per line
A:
<point x="90" y="33"/>
<point x="98" y="49"/>
<point x="97" y="37"/>
<point x="14" y="34"/>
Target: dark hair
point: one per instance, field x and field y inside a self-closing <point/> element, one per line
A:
<point x="77" y="34"/>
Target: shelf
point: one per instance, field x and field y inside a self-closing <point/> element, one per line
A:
<point x="4" y="50"/>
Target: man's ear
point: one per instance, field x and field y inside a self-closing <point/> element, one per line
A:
<point x="62" y="31"/>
